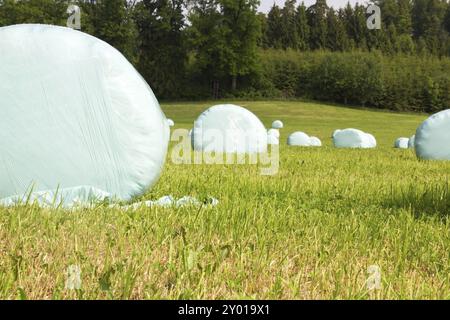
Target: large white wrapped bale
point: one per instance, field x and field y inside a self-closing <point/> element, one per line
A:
<point x="432" y="141"/>
<point x="274" y="132"/>
<point x="229" y="128"/>
<point x="277" y="124"/>
<point x="315" y="142"/>
<point x="299" y="139"/>
<point x="401" y="143"/>
<point x="75" y="116"/>
<point x="352" y="138"/>
<point x="412" y="142"/>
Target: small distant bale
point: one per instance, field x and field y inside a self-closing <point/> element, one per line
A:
<point x="372" y="140"/>
<point x="335" y="132"/>
<point x="401" y="143"/>
<point x="229" y="128"/>
<point x="315" y="142"/>
<point x="299" y="139"/>
<point x="170" y="122"/>
<point x="277" y="124"/>
<point x="353" y="138"/>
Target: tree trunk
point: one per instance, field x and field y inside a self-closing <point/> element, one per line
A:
<point x="234" y="83"/>
<point x="215" y="88"/>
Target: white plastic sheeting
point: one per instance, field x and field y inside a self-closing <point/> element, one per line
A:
<point x="277" y="124"/>
<point x="170" y="122"/>
<point x="401" y="143"/>
<point x="353" y="138"/>
<point x="412" y="142"/>
<point x="229" y="129"/>
<point x="169" y="202"/>
<point x="315" y="142"/>
<point x="299" y="139"/>
<point x="86" y="197"/>
<point x="75" y="116"/>
<point x="432" y="141"/>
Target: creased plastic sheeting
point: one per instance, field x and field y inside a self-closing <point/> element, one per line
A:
<point x="353" y="138"/>
<point x="169" y="202"/>
<point x="432" y="141"/>
<point x="401" y="143"/>
<point x="74" y="113"/>
<point x="229" y="129"/>
<point x="87" y="197"/>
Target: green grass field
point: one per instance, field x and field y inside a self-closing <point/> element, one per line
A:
<point x="309" y="232"/>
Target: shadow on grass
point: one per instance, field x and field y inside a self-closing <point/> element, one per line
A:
<point x="423" y="200"/>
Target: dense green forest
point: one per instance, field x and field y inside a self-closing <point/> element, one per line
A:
<point x="197" y="49"/>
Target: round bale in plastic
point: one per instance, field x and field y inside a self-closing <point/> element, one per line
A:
<point x="277" y="124"/>
<point x="401" y="143"/>
<point x="352" y="138"/>
<point x="315" y="142"/>
<point x="75" y="115"/>
<point x="229" y="128"/>
<point x="432" y="141"/>
<point x="299" y="139"/>
<point x="372" y="140"/>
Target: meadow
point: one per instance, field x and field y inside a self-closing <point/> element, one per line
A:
<point x="309" y="232"/>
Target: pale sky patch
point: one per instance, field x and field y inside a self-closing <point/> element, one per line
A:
<point x="267" y="4"/>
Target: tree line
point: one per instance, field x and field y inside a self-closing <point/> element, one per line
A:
<point x="407" y="26"/>
<point x="197" y="49"/>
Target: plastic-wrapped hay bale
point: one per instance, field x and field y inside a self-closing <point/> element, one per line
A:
<point x="299" y="139"/>
<point x="401" y="143"/>
<point x="229" y="129"/>
<point x="412" y="142"/>
<point x="352" y="138"/>
<point x="335" y="132"/>
<point x="274" y="132"/>
<point x="170" y="122"/>
<point x="315" y="142"/>
<point x="75" y="116"/>
<point x="272" y="140"/>
<point x="432" y="141"/>
<point x="372" y="140"/>
<point x="277" y="124"/>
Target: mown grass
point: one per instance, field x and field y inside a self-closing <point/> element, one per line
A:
<point x="309" y="232"/>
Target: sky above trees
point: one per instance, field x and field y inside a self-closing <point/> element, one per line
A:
<point x="267" y="4"/>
